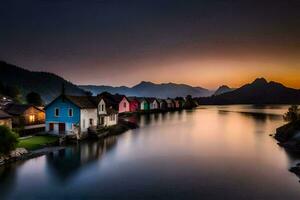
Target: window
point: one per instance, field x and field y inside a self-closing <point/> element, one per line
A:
<point x="31" y="118"/>
<point x="112" y="117"/>
<point x="91" y="122"/>
<point x="83" y="123"/>
<point x="124" y="104"/>
<point x="102" y="107"/>
<point x="56" y="112"/>
<point x="70" y="112"/>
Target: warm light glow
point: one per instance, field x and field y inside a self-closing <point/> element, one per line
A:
<point x="31" y="118"/>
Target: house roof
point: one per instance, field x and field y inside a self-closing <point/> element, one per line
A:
<point x="16" y="109"/>
<point x="81" y="101"/>
<point x="169" y="100"/>
<point x="141" y="99"/>
<point x="110" y="101"/>
<point x="161" y="100"/>
<point x="131" y="98"/>
<point x="151" y="99"/>
<point x="111" y="110"/>
<point x="4" y="115"/>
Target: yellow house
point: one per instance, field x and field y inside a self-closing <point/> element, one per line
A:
<point x="25" y="115"/>
<point x="5" y="119"/>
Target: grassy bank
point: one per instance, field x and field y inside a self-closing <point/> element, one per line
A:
<point x="37" y="142"/>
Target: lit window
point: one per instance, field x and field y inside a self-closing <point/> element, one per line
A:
<point x="70" y="112"/>
<point x="56" y="112"/>
<point x="31" y="118"/>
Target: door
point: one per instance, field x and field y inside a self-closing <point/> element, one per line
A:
<point x="101" y="120"/>
<point x="51" y="127"/>
<point x="62" y="127"/>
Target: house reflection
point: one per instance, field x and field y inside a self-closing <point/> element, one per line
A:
<point x="67" y="161"/>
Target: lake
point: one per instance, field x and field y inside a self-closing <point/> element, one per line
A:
<point x="212" y="152"/>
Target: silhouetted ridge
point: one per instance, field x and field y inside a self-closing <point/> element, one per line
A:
<point x="48" y="85"/>
<point x="257" y="92"/>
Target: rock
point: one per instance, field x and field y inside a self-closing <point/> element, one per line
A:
<point x="18" y="152"/>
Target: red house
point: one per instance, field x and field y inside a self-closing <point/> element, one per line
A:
<point x="128" y="104"/>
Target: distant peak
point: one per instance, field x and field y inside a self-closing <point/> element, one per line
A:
<point x="224" y="87"/>
<point x="145" y="82"/>
<point x="260" y="81"/>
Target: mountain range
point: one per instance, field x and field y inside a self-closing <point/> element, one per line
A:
<point x="149" y="89"/>
<point x="259" y="91"/>
<point x="48" y="85"/>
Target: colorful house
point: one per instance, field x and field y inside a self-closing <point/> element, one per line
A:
<point x="5" y="119"/>
<point x="170" y="103"/>
<point x="71" y="115"/>
<point x="26" y="116"/>
<point x="162" y="104"/>
<point x="179" y="103"/>
<point x="128" y="104"/>
<point x="107" y="110"/>
<point x="144" y="104"/>
<point x="154" y="104"/>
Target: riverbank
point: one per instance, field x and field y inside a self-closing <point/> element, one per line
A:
<point x="35" y="146"/>
<point x="117" y="129"/>
<point x="288" y="137"/>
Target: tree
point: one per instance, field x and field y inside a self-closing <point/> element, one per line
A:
<point x="34" y="98"/>
<point x="8" y="140"/>
<point x="189" y="102"/>
<point x="293" y="114"/>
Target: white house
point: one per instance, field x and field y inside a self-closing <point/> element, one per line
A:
<point x="154" y="103"/>
<point x="107" y="112"/>
<point x="170" y="103"/>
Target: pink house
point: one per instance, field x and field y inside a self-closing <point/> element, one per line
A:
<point x="128" y="104"/>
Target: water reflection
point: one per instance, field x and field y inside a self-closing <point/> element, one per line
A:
<point x="213" y="152"/>
<point x="66" y="162"/>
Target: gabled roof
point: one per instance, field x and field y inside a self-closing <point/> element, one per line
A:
<point x="169" y="100"/>
<point x="110" y="102"/>
<point x="82" y="102"/>
<point x="18" y="109"/>
<point x="161" y="100"/>
<point x="4" y="115"/>
<point x="151" y="99"/>
<point x="131" y="98"/>
<point x="141" y="99"/>
<point x="111" y="110"/>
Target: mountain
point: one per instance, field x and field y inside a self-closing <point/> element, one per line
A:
<point x="149" y="89"/>
<point x="259" y="91"/>
<point x="223" y="89"/>
<point x="48" y="85"/>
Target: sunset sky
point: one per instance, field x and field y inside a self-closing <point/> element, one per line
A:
<point x="110" y="42"/>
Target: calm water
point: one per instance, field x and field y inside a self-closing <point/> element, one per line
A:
<point x="212" y="152"/>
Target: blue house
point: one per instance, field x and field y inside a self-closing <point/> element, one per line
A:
<point x="70" y="115"/>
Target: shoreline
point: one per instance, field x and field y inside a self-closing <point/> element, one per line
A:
<point x="286" y="137"/>
<point x="21" y="154"/>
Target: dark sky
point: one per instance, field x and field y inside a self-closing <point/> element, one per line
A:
<point x="204" y="43"/>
